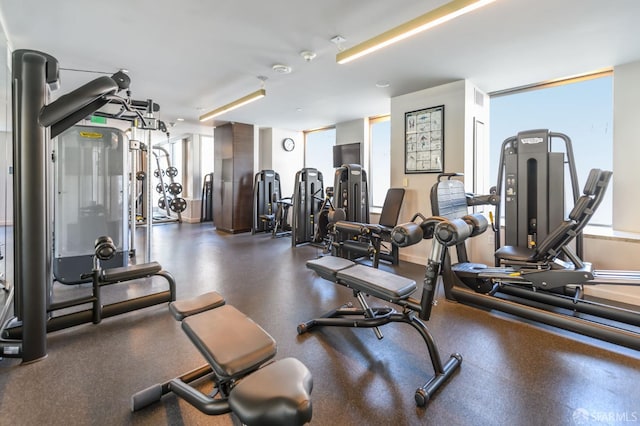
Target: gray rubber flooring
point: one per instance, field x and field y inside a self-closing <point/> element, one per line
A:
<point x="514" y="372"/>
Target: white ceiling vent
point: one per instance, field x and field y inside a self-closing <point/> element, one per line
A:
<point x="479" y="97"/>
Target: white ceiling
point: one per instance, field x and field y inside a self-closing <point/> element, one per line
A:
<point x="195" y="55"/>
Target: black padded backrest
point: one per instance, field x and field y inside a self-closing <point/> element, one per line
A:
<point x="591" y="185"/>
<point x="449" y="200"/>
<point x="550" y="247"/>
<point x="391" y="207"/>
<point x="583" y="210"/>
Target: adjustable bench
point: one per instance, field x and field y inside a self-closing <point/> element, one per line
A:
<point x="364" y="280"/>
<point x="238" y="352"/>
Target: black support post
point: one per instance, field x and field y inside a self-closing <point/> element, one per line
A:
<point x="31" y="240"/>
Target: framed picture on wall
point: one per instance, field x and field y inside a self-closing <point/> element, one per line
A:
<point x="424" y="140"/>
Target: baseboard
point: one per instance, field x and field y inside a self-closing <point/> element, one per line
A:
<point x="190" y="219"/>
<point x="617" y="293"/>
<point x="419" y="260"/>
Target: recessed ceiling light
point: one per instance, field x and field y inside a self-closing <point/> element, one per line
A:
<point x="179" y="119"/>
<point x="383" y="83"/>
<point x="281" y="69"/>
<point x="299" y="109"/>
<point x="308" y="55"/>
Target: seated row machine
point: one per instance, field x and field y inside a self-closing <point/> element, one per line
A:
<point x="239" y="353"/>
<point x="367" y="281"/>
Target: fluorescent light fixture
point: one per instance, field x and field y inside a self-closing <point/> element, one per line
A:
<point x="430" y="19"/>
<point x="235" y="104"/>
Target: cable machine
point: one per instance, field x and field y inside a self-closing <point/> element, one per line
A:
<point x="35" y="122"/>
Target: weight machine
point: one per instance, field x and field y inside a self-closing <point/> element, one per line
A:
<point x="266" y="189"/>
<point x="539" y="272"/>
<point x="35" y="123"/>
<point x="307" y="202"/>
<point x="351" y="192"/>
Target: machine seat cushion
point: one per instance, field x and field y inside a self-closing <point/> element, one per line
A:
<point x="277" y="394"/>
<point x="126" y="273"/>
<point x="328" y="266"/>
<point x="517" y="253"/>
<point x="185" y="308"/>
<point x="267" y="217"/>
<point x="375" y="282"/>
<point x="230" y="341"/>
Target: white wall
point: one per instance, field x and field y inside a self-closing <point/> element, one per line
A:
<point x="626" y="147"/>
<point x="355" y="131"/>
<point x="456" y="131"/>
<point x="274" y="157"/>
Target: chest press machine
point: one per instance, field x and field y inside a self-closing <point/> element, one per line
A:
<point x="367" y="281"/>
<point x="239" y="357"/>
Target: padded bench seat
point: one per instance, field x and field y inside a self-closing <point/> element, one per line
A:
<point x="374" y="282"/>
<point x="180" y="309"/>
<point x="328" y="266"/>
<point x="277" y="394"/>
<point x="232" y="343"/>
<point x="126" y="273"/>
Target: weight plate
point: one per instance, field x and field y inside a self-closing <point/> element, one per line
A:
<point x="172" y="171"/>
<point x="178" y="204"/>
<point x="159" y="188"/>
<point x="175" y="188"/>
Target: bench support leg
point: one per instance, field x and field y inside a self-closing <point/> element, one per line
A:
<point x="360" y="318"/>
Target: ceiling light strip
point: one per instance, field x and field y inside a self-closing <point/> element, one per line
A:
<point x="430" y="19"/>
<point x="258" y="94"/>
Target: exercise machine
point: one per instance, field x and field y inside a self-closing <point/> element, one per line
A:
<point x="206" y="209"/>
<point x="353" y="240"/>
<point x="542" y="279"/>
<point x="104" y="250"/>
<point x="392" y="288"/>
<point x="35" y="122"/>
<point x="307" y="202"/>
<point x="531" y="183"/>
<point x="239" y="354"/>
<point x="351" y="192"/>
<point x="266" y="189"/>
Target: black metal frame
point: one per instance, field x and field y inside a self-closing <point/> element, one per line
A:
<point x="35" y="122"/>
<point x="542" y="292"/>
<point x="413" y="313"/>
<point x="306" y="205"/>
<point x="101" y="277"/>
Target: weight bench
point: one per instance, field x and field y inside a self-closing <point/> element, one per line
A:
<point x="239" y="353"/>
<point x="364" y="280"/>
